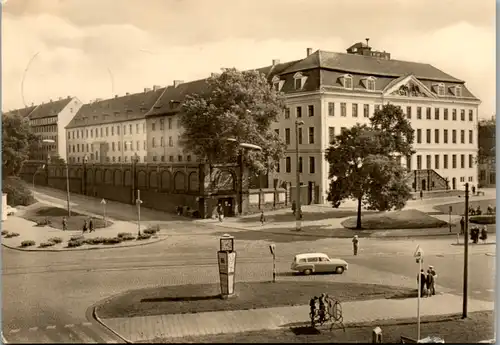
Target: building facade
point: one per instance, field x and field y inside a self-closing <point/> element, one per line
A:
<point x="48" y="121"/>
<point x="112" y="130"/>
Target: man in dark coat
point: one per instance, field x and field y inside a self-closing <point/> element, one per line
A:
<point x="423" y="282"/>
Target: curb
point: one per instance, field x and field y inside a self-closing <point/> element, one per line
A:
<point x="80" y="249"/>
<point x="98" y="319"/>
<point x="474" y="244"/>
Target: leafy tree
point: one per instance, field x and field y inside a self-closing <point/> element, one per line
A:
<point x="363" y="163"/>
<point x="57" y="159"/>
<point x="17" y="141"/>
<point x="487" y="139"/>
<point x="237" y="105"/>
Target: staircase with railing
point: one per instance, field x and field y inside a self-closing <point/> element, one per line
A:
<point x="427" y="180"/>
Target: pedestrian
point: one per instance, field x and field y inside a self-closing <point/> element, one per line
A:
<point x="65" y="223"/>
<point x="462" y="225"/>
<point x="421" y="194"/>
<point x="262" y="218"/>
<point x="432" y="271"/>
<point x="91" y="225"/>
<point x="429" y="283"/>
<point x="220" y="213"/>
<point x="355" y="243"/>
<point x="294" y="207"/>
<point x="484" y="234"/>
<point x="423" y="281"/>
<point x="478" y="210"/>
<point x="322" y="308"/>
<point x="473" y="190"/>
<point x="85" y="226"/>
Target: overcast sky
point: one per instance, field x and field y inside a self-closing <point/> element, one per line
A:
<point x="98" y="48"/>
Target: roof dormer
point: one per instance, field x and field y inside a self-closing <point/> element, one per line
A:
<point x="457" y="91"/>
<point x="299" y="80"/>
<point x="277" y="83"/>
<point x="439" y="89"/>
<point x="347" y="81"/>
<point x="369" y="83"/>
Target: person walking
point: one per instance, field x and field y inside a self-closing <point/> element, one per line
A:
<point x="85" y="226"/>
<point x="423" y="282"/>
<point x="65" y="224"/>
<point x="91" y="225"/>
<point x="462" y="225"/>
<point x="484" y="233"/>
<point x="429" y="283"/>
<point x="262" y="218"/>
<point x="434" y="276"/>
<point x="294" y="207"/>
<point x="355" y="244"/>
<point x="220" y="214"/>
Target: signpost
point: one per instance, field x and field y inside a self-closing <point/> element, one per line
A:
<point x="419" y="256"/>
<point x="449" y="213"/>
<point x="138" y="202"/>
<point x="103" y="203"/>
<point x="272" y="248"/>
<point x="226" y="258"/>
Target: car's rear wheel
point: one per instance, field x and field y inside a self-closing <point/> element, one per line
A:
<point x="307" y="272"/>
<point x="339" y="270"/>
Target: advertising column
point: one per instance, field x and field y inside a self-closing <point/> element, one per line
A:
<point x="226" y="257"/>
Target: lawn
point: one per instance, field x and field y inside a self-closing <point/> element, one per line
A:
<point x="406" y="219"/>
<point x="452" y="329"/>
<point x="250" y="295"/>
<point x="55" y="215"/>
<point x="458" y="208"/>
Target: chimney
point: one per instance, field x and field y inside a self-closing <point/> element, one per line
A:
<point x="116" y="96"/>
<point x="147" y="89"/>
<point x="309" y="51"/>
<point x="32" y="104"/>
<point x="367" y="40"/>
<point x="69" y="97"/>
<point x="275" y="62"/>
<point x="156" y="87"/>
<point x="127" y="93"/>
<point x="50" y="100"/>
<point x="178" y="82"/>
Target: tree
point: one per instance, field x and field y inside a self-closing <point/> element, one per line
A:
<point x="364" y="162"/>
<point x="17" y="141"/>
<point x="237" y="105"/>
<point x="487" y="139"/>
<point x="57" y="159"/>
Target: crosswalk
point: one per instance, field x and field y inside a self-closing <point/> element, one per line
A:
<point x="85" y="333"/>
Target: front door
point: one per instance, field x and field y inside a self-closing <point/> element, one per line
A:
<point x="227" y="206"/>
<point x="454" y="183"/>
<point x="424" y="184"/>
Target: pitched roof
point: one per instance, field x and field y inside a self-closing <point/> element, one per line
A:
<point x="50" y="109"/>
<point x="352" y="63"/>
<point x="23" y="112"/>
<point x="118" y="109"/>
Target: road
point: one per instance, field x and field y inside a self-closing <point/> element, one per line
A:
<point x="47" y="296"/>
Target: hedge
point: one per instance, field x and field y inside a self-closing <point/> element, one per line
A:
<point x="17" y="192"/>
<point x="46" y="244"/>
<point x="144" y="236"/>
<point x="27" y="243"/>
<point x="55" y="240"/>
<point x="483" y="219"/>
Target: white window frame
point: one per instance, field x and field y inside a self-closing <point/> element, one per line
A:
<point x="458" y="91"/>
<point x="302" y="78"/>
<point x="368" y="81"/>
<point x="344" y="80"/>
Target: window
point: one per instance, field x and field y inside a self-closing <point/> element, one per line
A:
<point x="179" y="158"/>
<point x="408" y="112"/>
<point x="331" y="109"/>
<point x="162" y="124"/>
<point x="408" y="162"/>
<point x="445" y="136"/>
<point x="428" y="114"/>
<point x="354" y="110"/>
<point x="462" y="136"/>
<point x="471" y="161"/>
<point x="144" y="145"/>
<point x="117" y="130"/>
<point x="312" y="165"/>
<point x="170" y="158"/>
<point x="298" y="83"/>
<point x="300" y="164"/>
<point x="300" y="136"/>
<point x="419" y="113"/>
<point x="162" y="142"/>
<point x="440" y="90"/>
<point x="162" y="158"/>
<point x="445" y="114"/>
<point x="471" y="136"/>
<point x="428" y="161"/>
<point x="454" y="136"/>
<point x="454" y="161"/>
<point x="112" y="146"/>
<point x="169" y="123"/>
<point x="153" y="142"/>
<point x="471" y="178"/>
<point x="462" y="179"/>
<point x="153" y="127"/>
<point x="119" y="146"/>
<point x="310" y="110"/>
<point x="277" y="165"/>
<point x="288" y="165"/>
<point x="299" y="111"/>
<point x="331" y="134"/>
<point x="366" y="110"/>
<point x="129" y="129"/>
<point x="419" y="136"/>
<point x="419" y="162"/>
<point x="311" y="135"/>
<point x="458" y="91"/>
<point x="428" y="136"/>
<point x="436" y="161"/>
<point x="462" y="115"/>
<point x="137" y="128"/>
<point x="462" y="161"/>
<point x="107" y="132"/>
<point x="454" y="114"/>
<point x="471" y="115"/>
<point x="370" y="84"/>
<point x="170" y="141"/>
<point x="188" y="158"/>
<point x="348" y="82"/>
<point x="137" y="145"/>
<point x="436" y="136"/>
<point x="445" y="161"/>
<point x="287" y="136"/>
<point x="436" y="114"/>
<point x="343" y="110"/>
<point x="287" y="113"/>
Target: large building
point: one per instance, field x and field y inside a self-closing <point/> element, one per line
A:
<point x="48" y="121"/>
<point x="112" y="130"/>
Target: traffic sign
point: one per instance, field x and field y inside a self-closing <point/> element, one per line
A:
<point x="272" y="248"/>
<point x="103" y="202"/>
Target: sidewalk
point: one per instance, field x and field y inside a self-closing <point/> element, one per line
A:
<point x="181" y="325"/>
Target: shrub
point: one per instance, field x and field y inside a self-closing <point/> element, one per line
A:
<point x="76" y="238"/>
<point x="17" y="192"/>
<point x="75" y="243"/>
<point x="43" y="222"/>
<point x="55" y="240"/>
<point x="483" y="219"/>
<point x="124" y="234"/>
<point x="27" y="243"/>
<point x="11" y="234"/>
<point x="46" y="244"/>
<point x="152" y="230"/>
<point x="112" y="240"/>
<point x="4" y="232"/>
<point x="95" y="240"/>
<point x="144" y="236"/>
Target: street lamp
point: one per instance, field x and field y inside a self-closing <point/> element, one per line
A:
<point x="67" y="178"/>
<point x="240" y="159"/>
<point x="298" y="214"/>
<point x="466" y="253"/>
<point x="36" y="171"/>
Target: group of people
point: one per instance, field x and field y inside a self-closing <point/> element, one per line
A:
<point x="294" y="209"/>
<point x="319" y="304"/>
<point x="476" y="234"/>
<point x="88" y="225"/>
<point x="428" y="282"/>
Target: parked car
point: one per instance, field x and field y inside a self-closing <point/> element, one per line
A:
<point x="11" y="210"/>
<point x="318" y="263"/>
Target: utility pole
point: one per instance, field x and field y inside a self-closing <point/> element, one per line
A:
<point x="298" y="213"/>
<point x="466" y="252"/>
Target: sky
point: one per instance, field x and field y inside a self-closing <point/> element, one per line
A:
<point x="101" y="48"/>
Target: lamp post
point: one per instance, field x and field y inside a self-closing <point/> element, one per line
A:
<point x="298" y="214"/>
<point x="36" y="171"/>
<point x="419" y="256"/>
<point x="138" y="202"/>
<point x="466" y="252"/>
